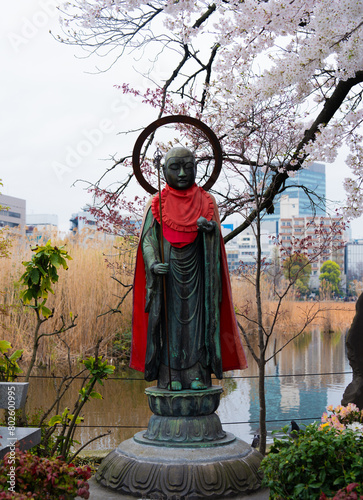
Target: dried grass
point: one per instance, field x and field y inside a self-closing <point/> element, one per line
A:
<point x="87" y="290"/>
<point x="328" y="316"/>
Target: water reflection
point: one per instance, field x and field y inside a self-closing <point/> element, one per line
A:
<point x="302" y="396"/>
<point x="288" y="397"/>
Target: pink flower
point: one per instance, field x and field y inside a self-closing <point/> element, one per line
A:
<point x="352" y="407"/>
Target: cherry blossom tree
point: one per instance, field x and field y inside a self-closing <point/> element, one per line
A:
<point x="279" y="81"/>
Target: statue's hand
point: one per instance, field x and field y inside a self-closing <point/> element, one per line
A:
<point x="160" y="268"/>
<point x="204" y="225"/>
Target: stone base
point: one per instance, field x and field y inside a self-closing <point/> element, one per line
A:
<point x="13" y="394"/>
<point x="98" y="492"/>
<point x="149" y="471"/>
<point x="26" y="437"/>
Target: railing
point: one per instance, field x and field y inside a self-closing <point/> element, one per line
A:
<point x="135" y="379"/>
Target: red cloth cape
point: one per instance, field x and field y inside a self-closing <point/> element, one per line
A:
<point x="233" y="356"/>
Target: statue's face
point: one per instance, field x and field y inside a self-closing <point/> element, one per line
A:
<point x="180" y="169"/>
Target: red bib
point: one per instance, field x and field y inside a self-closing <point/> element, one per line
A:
<point x="180" y="211"/>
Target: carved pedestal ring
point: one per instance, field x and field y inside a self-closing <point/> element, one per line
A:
<point x="184" y="452"/>
<point x="190" y="473"/>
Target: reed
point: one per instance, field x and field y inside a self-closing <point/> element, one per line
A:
<point x="328" y="316"/>
<point x="88" y="290"/>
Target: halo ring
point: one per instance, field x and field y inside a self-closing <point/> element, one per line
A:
<point x="213" y="139"/>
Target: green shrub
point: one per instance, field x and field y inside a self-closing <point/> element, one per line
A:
<point x="350" y="492"/>
<point x="121" y="346"/>
<point x="313" y="462"/>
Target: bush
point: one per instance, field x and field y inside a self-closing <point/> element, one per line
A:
<point x="313" y="462"/>
<point x="346" y="493"/>
<point x="9" y="495"/>
<point x="36" y="477"/>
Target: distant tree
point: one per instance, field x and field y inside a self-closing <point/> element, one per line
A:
<point x="330" y="276"/>
<point x="356" y="288"/>
<point x="297" y="268"/>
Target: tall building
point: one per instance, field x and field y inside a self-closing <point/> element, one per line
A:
<point x="296" y="199"/>
<point x="321" y="248"/>
<point x="83" y="220"/>
<point x="12" y="211"/>
<point x="353" y="260"/>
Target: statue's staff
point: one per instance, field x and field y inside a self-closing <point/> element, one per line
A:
<point x="157" y="160"/>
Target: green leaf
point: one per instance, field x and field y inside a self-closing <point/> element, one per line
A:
<point x="55" y="260"/>
<point x="4" y="346"/>
<point x="27" y="296"/>
<point x="95" y="395"/>
<point x="56" y="419"/>
<point x="35" y="275"/>
<point x="63" y="263"/>
<point x="45" y="311"/>
<point x="322" y="476"/>
<point x="315" y="485"/>
<point x="16" y="355"/>
<point x="299" y="488"/>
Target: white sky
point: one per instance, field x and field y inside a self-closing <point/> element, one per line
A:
<point x="60" y="119"/>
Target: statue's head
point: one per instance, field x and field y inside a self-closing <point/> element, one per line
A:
<point x="180" y="168"/>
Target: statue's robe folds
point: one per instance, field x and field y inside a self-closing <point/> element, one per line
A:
<point x="202" y="327"/>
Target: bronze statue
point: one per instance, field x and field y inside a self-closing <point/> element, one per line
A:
<point x="184" y="329"/>
<point x="202" y="330"/>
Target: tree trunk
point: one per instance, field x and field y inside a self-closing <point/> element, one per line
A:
<point x="262" y="400"/>
<point x="261" y="342"/>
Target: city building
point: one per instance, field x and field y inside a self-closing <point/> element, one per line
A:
<point x="12" y="211"/>
<point x="321" y="247"/>
<point x="82" y="220"/>
<point x="42" y="225"/>
<point x="353" y="260"/>
<point x="233" y="256"/>
<point x="242" y="250"/>
<point x="297" y="200"/>
<point x="86" y="223"/>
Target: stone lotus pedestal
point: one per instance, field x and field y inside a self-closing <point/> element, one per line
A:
<point x="184" y="453"/>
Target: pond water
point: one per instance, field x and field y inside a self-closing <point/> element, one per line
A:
<point x="310" y="373"/>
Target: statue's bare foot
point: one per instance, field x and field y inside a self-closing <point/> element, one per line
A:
<point x="197" y="385"/>
<point x="176" y="385"/>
